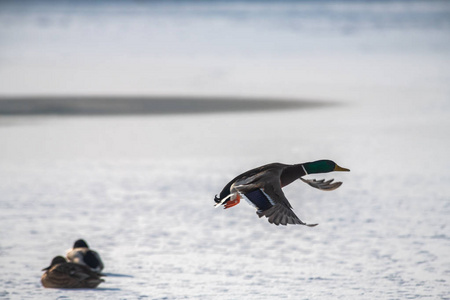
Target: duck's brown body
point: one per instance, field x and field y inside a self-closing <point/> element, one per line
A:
<point x="68" y="275"/>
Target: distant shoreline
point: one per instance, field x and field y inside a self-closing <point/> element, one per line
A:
<point x="145" y="105"/>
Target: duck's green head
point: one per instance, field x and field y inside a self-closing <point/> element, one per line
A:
<point x="322" y="166"/>
<point x="80" y="244"/>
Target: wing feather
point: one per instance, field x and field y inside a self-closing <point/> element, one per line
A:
<point x="264" y="192"/>
<point x="281" y="211"/>
<point x="323" y="185"/>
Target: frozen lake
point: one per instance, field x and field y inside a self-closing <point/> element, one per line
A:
<point x="139" y="187"/>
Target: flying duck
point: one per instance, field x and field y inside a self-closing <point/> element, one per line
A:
<point x="63" y="274"/>
<point x="81" y="254"/>
<point x="261" y="187"/>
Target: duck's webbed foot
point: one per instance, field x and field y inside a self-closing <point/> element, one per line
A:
<point x="232" y="203"/>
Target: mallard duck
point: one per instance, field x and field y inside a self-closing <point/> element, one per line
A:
<point x="261" y="187"/>
<point x="81" y="254"/>
<point x="63" y="274"/>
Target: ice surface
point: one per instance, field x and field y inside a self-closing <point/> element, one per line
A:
<point x="140" y="189"/>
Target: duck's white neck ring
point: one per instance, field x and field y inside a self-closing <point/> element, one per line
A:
<point x="306" y="173"/>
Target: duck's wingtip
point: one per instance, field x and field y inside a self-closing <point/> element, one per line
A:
<point x="322" y="184"/>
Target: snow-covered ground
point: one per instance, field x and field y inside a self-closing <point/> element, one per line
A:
<point x="140" y="189"/>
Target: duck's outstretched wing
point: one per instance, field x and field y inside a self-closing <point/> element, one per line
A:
<point x="271" y="202"/>
<point x="323" y="185"/>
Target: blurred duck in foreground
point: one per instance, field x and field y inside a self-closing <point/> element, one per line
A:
<point x="81" y="254"/>
<point x="63" y="274"/>
<point x="261" y="187"/>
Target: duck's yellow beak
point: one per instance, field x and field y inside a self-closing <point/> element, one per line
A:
<point x="337" y="168"/>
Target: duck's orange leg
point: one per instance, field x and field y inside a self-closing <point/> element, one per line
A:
<point x="232" y="203"/>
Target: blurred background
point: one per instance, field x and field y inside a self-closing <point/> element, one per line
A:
<point x="120" y="121"/>
<point x="294" y="48"/>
